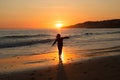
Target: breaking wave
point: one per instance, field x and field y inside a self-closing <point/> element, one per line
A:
<point x="24" y="43"/>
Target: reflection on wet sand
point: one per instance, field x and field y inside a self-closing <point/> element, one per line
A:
<point x="68" y="57"/>
<point x="62" y="61"/>
<point x="69" y="67"/>
<point x="19" y="63"/>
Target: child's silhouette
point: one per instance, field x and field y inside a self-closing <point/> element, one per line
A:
<point x="59" y="41"/>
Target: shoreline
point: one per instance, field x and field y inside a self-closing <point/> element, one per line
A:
<point x="71" y="67"/>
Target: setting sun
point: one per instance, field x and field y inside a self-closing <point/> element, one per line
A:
<point x="59" y="25"/>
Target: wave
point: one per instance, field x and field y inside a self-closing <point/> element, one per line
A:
<point x="103" y="51"/>
<point x="24" y="43"/>
<point x="108" y="48"/>
<point x="103" y="40"/>
<point x="91" y="34"/>
<point x="117" y="32"/>
<point x="25" y="36"/>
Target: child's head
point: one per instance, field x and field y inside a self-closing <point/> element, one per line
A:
<point x="58" y="36"/>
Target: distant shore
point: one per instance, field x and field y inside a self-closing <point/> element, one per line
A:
<point x="113" y="23"/>
<point x="71" y="67"/>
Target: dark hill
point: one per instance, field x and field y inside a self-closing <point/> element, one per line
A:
<point x="114" y="23"/>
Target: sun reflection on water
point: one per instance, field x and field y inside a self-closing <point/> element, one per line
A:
<point x="66" y="56"/>
<point x="39" y="60"/>
<point x="62" y="56"/>
<point x="69" y="56"/>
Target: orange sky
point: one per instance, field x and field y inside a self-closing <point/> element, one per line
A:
<point x="35" y="14"/>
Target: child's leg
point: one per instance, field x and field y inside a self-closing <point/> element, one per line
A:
<point x="60" y="50"/>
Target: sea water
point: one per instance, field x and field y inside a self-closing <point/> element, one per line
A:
<point x="81" y="41"/>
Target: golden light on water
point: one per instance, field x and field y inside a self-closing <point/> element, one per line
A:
<point x="63" y="57"/>
<point x="39" y="60"/>
<point x="69" y="55"/>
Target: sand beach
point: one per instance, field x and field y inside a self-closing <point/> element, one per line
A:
<point x="70" y="67"/>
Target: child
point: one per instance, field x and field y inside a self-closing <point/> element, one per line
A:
<point x="59" y="41"/>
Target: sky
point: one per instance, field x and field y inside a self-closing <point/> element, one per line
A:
<point x="36" y="14"/>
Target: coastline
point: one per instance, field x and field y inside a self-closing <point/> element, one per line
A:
<point x="71" y="67"/>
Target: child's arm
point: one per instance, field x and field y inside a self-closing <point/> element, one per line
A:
<point x="66" y="37"/>
<point x="54" y="42"/>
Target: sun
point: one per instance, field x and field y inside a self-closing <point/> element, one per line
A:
<point x="58" y="25"/>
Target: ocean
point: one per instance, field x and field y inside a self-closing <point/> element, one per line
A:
<point x="82" y="41"/>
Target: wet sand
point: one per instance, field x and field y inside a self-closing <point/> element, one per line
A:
<point x="70" y="67"/>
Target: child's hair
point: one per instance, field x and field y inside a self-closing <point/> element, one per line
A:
<point x="58" y="36"/>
